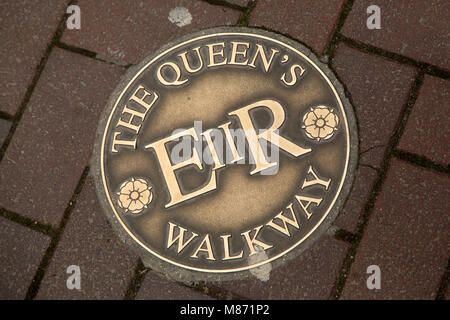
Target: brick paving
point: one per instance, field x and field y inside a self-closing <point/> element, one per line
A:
<point x="309" y="276"/>
<point x="62" y="116"/>
<point x="24" y="41"/>
<point x="415" y="29"/>
<point x="426" y="132"/>
<point x="155" y="287"/>
<point x="89" y="242"/>
<point x="407" y="236"/>
<point x="311" y="21"/>
<point x="379" y="89"/>
<point x="349" y="218"/>
<point x="21" y="251"/>
<point x="55" y="83"/>
<point x="145" y="26"/>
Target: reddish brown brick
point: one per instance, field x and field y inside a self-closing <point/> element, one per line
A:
<point x="24" y="40"/>
<point x="21" y="251"/>
<point x="407" y="237"/>
<point x="311" y="22"/>
<point x="309" y="276"/>
<point x="348" y="218"/>
<point x="129" y="31"/>
<point x="52" y="144"/>
<point x="88" y="241"/>
<point x="155" y="287"/>
<point x="416" y="29"/>
<point x="427" y="132"/>
<point x="378" y="88"/>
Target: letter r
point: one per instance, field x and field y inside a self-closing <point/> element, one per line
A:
<point x="270" y="135"/>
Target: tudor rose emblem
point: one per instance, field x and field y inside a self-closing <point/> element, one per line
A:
<point x="223" y="152"/>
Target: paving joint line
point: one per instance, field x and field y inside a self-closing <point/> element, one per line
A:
<point x="421" y="161"/>
<point x="141" y="271"/>
<point x="84" y="52"/>
<point x="427" y="67"/>
<point x="222" y="3"/>
<point x="264" y="28"/>
<point x="344" y="235"/>
<point x="330" y="49"/>
<point x="366" y="165"/>
<point x="29" y="92"/>
<point x="46" y="259"/>
<point x="136" y="281"/>
<point x="442" y="290"/>
<point x="45" y="229"/>
<point x="245" y="17"/>
<point x="91" y="55"/>
<point x="6" y="116"/>
<point x="371" y="148"/>
<point x="376" y="189"/>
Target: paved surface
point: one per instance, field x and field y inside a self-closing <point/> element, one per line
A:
<point x="55" y="82"/>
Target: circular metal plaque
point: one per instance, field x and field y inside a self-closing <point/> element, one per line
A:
<point x="225" y="153"/>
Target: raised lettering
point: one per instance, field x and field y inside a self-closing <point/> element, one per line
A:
<point x="212" y="149"/>
<point x="252" y="241"/>
<point x="270" y="134"/>
<point x="235" y="53"/>
<point x="115" y="142"/>
<point x="213" y="54"/>
<point x="208" y="249"/>
<point x="226" y="249"/>
<point x="285" y="220"/>
<point x="179" y="238"/>
<point x="309" y="200"/>
<point x="316" y="180"/>
<point x="177" y="81"/>
<point x="168" y="169"/>
<point x="293" y="75"/>
<point x="261" y="53"/>
<point x="186" y="63"/>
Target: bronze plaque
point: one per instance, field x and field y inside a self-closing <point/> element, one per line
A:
<point x="225" y="153"/>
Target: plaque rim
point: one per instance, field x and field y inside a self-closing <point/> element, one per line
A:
<point x="177" y="270"/>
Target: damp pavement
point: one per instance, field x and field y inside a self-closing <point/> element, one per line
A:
<point x="55" y="82"/>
